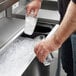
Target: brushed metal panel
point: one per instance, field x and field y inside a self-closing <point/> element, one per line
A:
<point x="4" y="4"/>
<point x="9" y="28"/>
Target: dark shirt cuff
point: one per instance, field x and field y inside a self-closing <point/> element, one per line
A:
<point x="74" y="1"/>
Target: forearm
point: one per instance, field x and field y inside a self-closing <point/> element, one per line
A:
<point x="67" y="26"/>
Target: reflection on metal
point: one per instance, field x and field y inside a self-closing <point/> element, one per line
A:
<point x="8" y="12"/>
<point x="10" y="28"/>
<point x="4" y="4"/>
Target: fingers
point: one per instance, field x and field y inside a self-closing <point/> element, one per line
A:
<point x="36" y="49"/>
<point x="41" y="52"/>
<point x="28" y="10"/>
<point x="33" y="6"/>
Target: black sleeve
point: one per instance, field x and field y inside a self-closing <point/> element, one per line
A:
<point x="74" y="1"/>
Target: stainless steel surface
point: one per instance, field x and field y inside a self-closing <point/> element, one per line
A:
<point x="9" y="29"/>
<point x="17" y="57"/>
<point x="4" y="4"/>
<point x="50" y="4"/>
<point x="8" y="12"/>
<point x="46" y="15"/>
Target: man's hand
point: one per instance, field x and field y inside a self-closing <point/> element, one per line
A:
<point x="46" y="46"/>
<point x="42" y="50"/>
<point x="33" y="6"/>
<point x="55" y="41"/>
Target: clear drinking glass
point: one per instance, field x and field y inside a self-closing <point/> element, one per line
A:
<point x="30" y="24"/>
